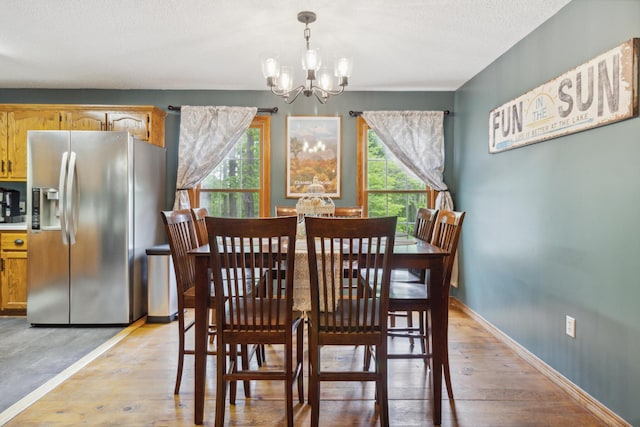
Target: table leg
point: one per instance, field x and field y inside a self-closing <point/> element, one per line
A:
<point x="438" y="312"/>
<point x="203" y="290"/>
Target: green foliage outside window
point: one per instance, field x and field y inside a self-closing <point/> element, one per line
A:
<point x="389" y="184"/>
<point x="239" y="173"/>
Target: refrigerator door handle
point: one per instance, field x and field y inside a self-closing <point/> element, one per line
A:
<point x="71" y="202"/>
<point x="62" y="209"/>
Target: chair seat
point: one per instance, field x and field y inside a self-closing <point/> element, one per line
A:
<point x="408" y="291"/>
<point x="256" y="314"/>
<point x="406" y="275"/>
<point x="349" y="316"/>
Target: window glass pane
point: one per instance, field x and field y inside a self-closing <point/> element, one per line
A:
<point x="232" y="204"/>
<point x="240" y="170"/>
<point x="384" y="171"/>
<point x="390" y="185"/>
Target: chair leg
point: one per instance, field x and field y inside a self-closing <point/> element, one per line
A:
<point x="424" y="334"/>
<point x="300" y="361"/>
<point x="181" y="344"/>
<point x="381" y="389"/>
<point x="221" y="383"/>
<point x="212" y="337"/>
<point x="233" y="366"/>
<point x="244" y="355"/>
<point x="410" y="325"/>
<point x="367" y="358"/>
<point x="445" y="359"/>
<point x="288" y="382"/>
<point x="314" y="380"/>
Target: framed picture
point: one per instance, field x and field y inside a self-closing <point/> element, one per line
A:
<point x="313" y="151"/>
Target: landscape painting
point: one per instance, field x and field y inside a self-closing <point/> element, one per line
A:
<point x="313" y="151"/>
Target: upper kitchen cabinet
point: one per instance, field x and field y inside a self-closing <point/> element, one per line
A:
<point x="84" y="120"/>
<point x="14" y="126"/>
<point x="143" y="122"/>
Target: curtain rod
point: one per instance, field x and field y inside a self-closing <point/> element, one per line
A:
<point x="272" y="110"/>
<point x="359" y="113"/>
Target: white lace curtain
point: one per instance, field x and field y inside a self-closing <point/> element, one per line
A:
<point x="416" y="138"/>
<point x="207" y="135"/>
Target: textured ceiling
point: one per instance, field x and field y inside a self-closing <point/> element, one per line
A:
<point x="411" y="45"/>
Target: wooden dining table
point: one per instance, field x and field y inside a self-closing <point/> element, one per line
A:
<point x="407" y="253"/>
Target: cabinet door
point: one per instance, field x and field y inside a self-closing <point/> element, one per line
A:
<point x="3" y="144"/>
<point x="14" y="280"/>
<point x="19" y="123"/>
<point x="137" y="124"/>
<point x="84" y="120"/>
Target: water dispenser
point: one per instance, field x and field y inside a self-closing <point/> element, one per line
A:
<point x="45" y="212"/>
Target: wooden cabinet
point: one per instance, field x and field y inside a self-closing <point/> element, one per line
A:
<point x="13" y="139"/>
<point x="13" y="271"/>
<point x="144" y="123"/>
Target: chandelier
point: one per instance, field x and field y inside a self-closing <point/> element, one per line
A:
<point x="319" y="81"/>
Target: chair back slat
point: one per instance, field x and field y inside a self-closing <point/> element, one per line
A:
<point x="245" y="255"/>
<point x="425" y="222"/>
<point x="355" y="302"/>
<point x="182" y="238"/>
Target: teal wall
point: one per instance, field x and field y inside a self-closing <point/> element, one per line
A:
<point x="552" y="228"/>
<point x="340" y="105"/>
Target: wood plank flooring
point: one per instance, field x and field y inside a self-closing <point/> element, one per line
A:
<point x="132" y="385"/>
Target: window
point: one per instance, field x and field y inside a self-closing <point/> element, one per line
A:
<point x="239" y="185"/>
<point x="385" y="186"/>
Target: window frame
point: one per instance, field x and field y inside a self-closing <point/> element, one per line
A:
<point x="362" y="196"/>
<point x="263" y="123"/>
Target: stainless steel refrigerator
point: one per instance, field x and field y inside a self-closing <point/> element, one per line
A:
<point x="93" y="203"/>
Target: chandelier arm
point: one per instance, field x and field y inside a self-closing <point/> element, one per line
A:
<point x="329" y="92"/>
<point x="321" y="99"/>
<point x="286" y="93"/>
<point x="297" y="91"/>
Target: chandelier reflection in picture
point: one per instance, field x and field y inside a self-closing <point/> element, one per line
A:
<point x="319" y="80"/>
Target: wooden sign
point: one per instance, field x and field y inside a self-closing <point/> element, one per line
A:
<point x="599" y="92"/>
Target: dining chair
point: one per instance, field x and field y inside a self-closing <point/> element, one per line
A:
<point x="286" y="211"/>
<point x="181" y="234"/>
<point x="264" y="316"/>
<point x="349" y="318"/>
<point x="198" y="215"/>
<point x="413" y="296"/>
<point x="423" y="230"/>
<point x="348" y="212"/>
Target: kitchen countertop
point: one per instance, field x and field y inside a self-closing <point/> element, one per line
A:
<point x="8" y="226"/>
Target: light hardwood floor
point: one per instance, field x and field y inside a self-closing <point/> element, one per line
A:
<point x="132" y="385"/>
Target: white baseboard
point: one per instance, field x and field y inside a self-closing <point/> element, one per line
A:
<point x="598" y="410"/>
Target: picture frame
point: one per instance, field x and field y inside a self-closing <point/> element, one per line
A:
<point x="313" y="151"/>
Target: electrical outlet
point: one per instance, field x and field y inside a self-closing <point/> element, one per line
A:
<point x="22" y="206"/>
<point x="570" y="326"/>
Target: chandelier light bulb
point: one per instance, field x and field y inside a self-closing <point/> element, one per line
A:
<point x="311" y="60"/>
<point x="270" y="66"/>
<point x="325" y="80"/>
<point x="285" y="80"/>
<point x="343" y="67"/>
